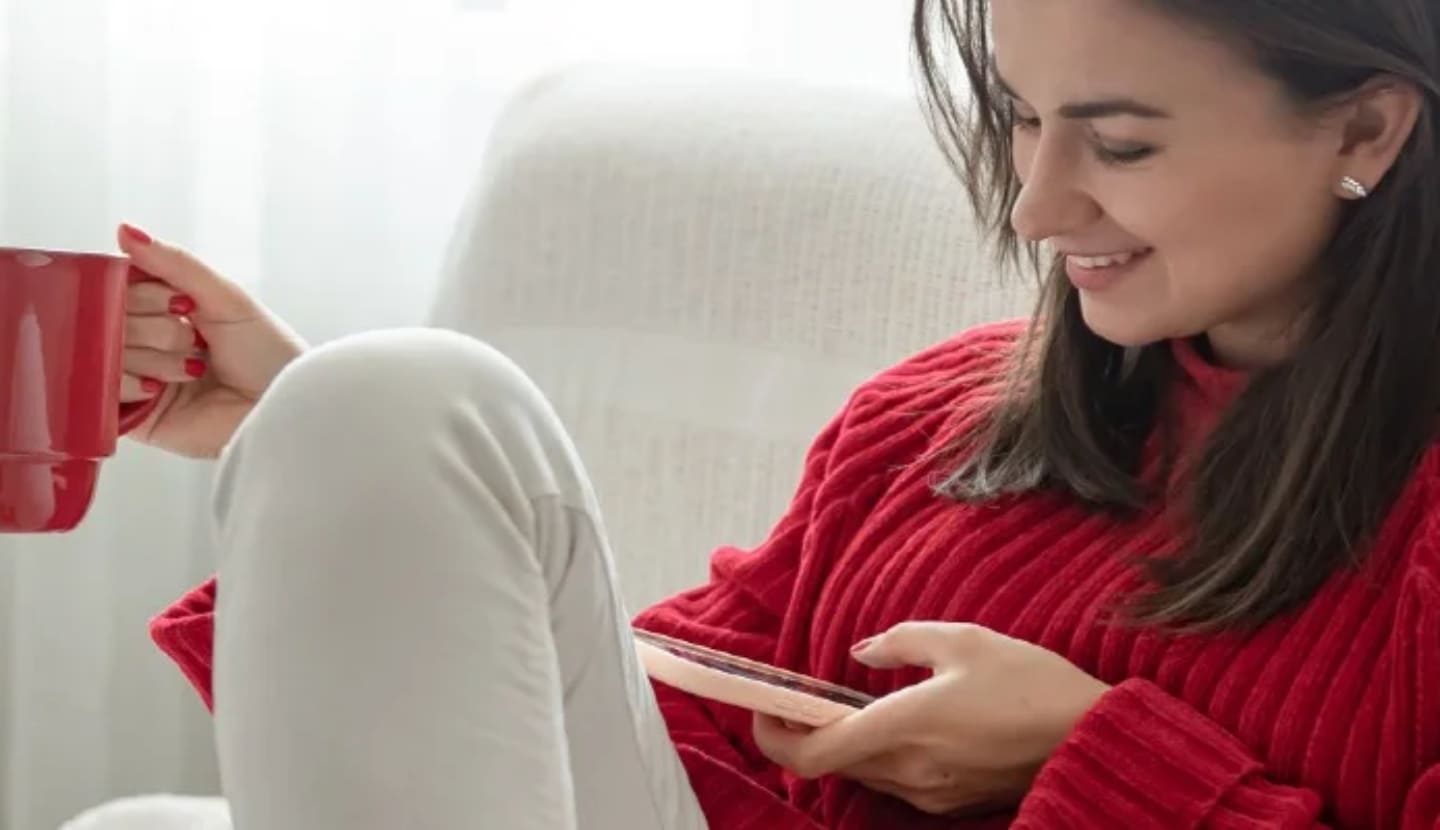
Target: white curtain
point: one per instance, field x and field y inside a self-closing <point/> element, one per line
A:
<point x="317" y="150"/>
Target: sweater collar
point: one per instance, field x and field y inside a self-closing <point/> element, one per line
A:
<point x="1213" y="383"/>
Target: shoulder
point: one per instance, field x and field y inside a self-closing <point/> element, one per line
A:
<point x="961" y="372"/>
<point x="1421" y="500"/>
<point x="918" y="406"/>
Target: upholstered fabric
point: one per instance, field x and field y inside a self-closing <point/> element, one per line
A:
<point x="157" y="812"/>
<point x="698" y="269"/>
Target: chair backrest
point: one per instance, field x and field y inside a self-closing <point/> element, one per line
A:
<point x="697" y="269"/>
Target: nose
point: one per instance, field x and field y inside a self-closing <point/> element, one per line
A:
<point x="1051" y="202"/>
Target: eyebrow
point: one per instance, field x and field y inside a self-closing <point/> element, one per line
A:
<point x="1099" y="108"/>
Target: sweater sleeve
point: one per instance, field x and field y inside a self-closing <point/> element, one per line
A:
<point x="186" y="633"/>
<point x="1144" y="760"/>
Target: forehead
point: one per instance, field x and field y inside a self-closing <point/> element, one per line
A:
<point x="1051" y="51"/>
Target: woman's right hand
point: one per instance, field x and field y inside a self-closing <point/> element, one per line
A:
<point x="200" y="343"/>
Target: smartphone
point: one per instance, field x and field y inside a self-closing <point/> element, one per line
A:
<point x="748" y="684"/>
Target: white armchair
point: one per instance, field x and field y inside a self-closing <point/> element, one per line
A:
<point x="697" y="268"/>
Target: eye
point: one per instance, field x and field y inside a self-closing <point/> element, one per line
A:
<point x="1124" y="154"/>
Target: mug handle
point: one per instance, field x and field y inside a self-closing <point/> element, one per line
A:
<point x="132" y="415"/>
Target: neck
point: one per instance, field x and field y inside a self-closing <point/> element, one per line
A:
<point x="1248" y="346"/>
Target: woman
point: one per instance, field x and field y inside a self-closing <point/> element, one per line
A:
<point x="1167" y="558"/>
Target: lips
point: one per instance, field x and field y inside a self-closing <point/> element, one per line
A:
<point x="1097" y="272"/>
<point x="1105" y="260"/>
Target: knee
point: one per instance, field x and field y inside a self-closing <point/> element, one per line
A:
<point x="386" y="393"/>
<point x="391" y="430"/>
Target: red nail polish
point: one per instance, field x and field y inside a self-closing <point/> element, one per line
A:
<point x="195" y="367"/>
<point x="862" y="645"/>
<point x="200" y="344"/>
<point x="151" y="386"/>
<point x="181" y="305"/>
<point x="136" y="235"/>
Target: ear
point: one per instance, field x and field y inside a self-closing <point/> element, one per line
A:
<point x="1375" y="122"/>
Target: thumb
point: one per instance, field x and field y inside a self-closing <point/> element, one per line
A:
<point x="928" y="644"/>
<point x="217" y="298"/>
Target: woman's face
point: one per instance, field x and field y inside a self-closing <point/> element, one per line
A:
<point x="1185" y="190"/>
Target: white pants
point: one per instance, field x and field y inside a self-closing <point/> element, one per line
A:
<point x="418" y="623"/>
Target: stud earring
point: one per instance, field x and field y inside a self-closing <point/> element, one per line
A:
<point x="1352" y="186"/>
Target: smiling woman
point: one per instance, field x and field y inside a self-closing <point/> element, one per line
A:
<point x="1201" y="177"/>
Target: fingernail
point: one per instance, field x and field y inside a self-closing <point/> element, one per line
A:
<point x="151" y="386"/>
<point x="862" y="646"/>
<point x="195" y="367"/>
<point x="181" y="305"/>
<point x="135" y="234"/>
<point x="200" y="344"/>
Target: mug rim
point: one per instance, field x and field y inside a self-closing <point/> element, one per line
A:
<point x="64" y="252"/>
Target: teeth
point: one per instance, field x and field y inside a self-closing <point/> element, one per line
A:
<point x="1108" y="261"/>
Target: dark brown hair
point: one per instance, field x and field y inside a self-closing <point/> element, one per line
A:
<point x="1301" y="470"/>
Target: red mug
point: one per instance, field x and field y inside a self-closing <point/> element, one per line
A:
<point x="62" y="332"/>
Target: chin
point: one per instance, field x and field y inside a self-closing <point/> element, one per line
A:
<point x="1123" y="327"/>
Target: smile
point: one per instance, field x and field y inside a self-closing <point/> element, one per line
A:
<point x="1097" y="273"/>
<point x="1105" y="260"/>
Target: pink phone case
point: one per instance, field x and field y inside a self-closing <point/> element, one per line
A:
<point x="745" y="683"/>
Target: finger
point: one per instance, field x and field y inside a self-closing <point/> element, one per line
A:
<point x="933" y="802"/>
<point x="163" y="334"/>
<point x="164" y="366"/>
<point x="215" y="296"/>
<point x="153" y="297"/>
<point x="929" y="644"/>
<point x="134" y="388"/>
<point x="777" y="741"/>
<point x="918" y="771"/>
<point x="871" y="769"/>
<point x="910" y="771"/>
<point x="870" y="733"/>
<point x="926" y="801"/>
<point x="786" y="746"/>
<point x="882" y="727"/>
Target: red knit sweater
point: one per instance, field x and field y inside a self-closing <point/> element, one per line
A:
<point x="1329" y="717"/>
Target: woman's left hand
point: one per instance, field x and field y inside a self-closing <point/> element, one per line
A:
<point x="972" y="736"/>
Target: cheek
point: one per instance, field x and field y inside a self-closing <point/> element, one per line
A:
<point x="1227" y="246"/>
